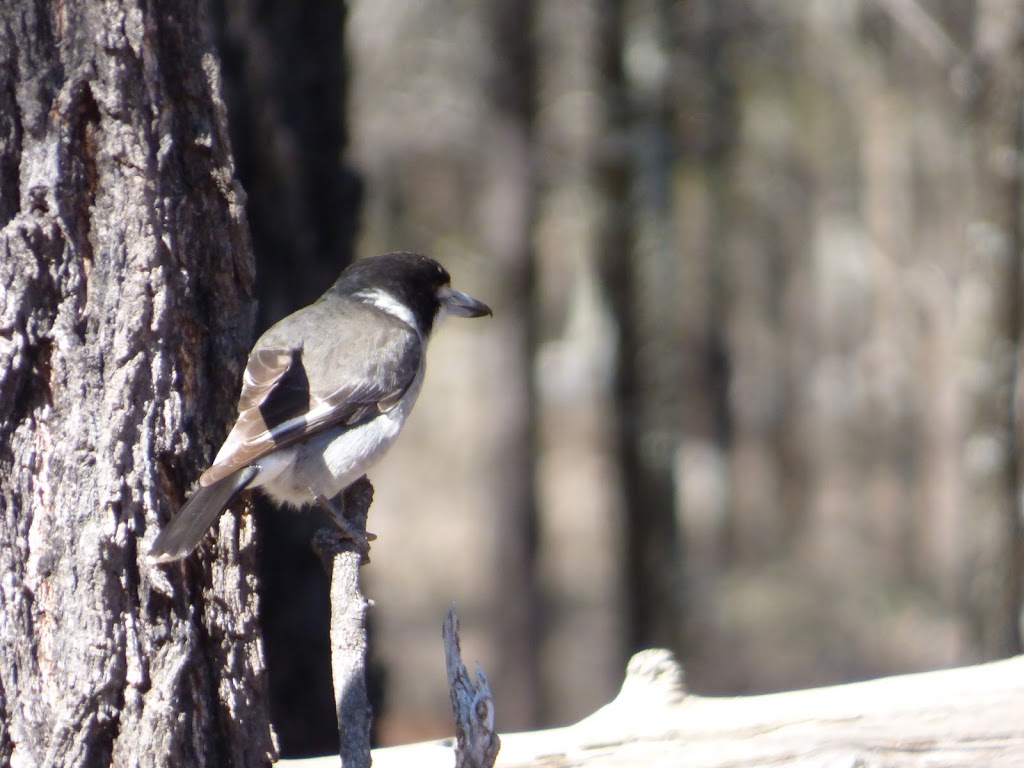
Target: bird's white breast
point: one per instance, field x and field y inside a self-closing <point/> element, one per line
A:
<point x="334" y="459"/>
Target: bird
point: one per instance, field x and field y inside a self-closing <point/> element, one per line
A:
<point x="325" y="393"/>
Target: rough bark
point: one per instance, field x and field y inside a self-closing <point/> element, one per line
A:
<point x="125" y="314"/>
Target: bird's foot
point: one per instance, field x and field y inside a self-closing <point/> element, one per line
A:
<point x="347" y="528"/>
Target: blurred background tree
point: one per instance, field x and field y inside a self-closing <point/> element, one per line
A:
<point x="751" y="390"/>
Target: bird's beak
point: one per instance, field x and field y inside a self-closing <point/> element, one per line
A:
<point x="460" y="304"/>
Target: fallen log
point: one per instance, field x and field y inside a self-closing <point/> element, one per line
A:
<point x="971" y="717"/>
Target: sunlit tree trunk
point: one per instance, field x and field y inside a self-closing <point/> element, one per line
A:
<point x="125" y="314"/>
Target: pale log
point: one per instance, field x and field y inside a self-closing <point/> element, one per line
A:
<point x="970" y="716"/>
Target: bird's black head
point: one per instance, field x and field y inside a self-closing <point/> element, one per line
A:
<point x="409" y="286"/>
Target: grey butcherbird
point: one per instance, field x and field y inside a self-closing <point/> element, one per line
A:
<point x="325" y="393"/>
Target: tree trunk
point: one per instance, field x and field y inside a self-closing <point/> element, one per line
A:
<point x="632" y="240"/>
<point x="509" y="211"/>
<point x="125" y="315"/>
<point x="997" y="598"/>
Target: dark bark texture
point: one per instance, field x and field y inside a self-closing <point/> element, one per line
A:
<point x="126" y="281"/>
<point x="285" y="88"/>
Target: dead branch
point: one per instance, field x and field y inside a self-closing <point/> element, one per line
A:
<point x="348" y="630"/>
<point x="476" y="743"/>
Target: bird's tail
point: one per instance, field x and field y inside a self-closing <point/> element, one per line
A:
<point x="184" y="532"/>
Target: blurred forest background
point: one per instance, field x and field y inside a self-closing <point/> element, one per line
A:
<point x="751" y="390"/>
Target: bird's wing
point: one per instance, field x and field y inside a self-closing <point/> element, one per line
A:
<point x="290" y="392"/>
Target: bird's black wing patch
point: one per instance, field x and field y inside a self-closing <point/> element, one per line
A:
<point x="288" y="397"/>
